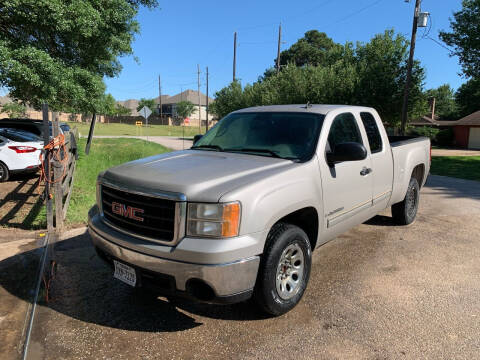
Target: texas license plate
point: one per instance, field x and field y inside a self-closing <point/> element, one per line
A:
<point x="125" y="273"/>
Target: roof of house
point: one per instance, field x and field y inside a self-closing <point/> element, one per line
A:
<point x="428" y="121"/>
<point x="472" y="119"/>
<point x="188" y="95"/>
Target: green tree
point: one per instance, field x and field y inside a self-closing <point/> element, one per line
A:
<point x="468" y="97"/>
<point x="185" y="109"/>
<point x="150" y="103"/>
<point x="315" y="48"/>
<point x="445" y="105"/>
<point x="121" y="110"/>
<point x="465" y="37"/>
<point x="108" y="105"/>
<point x="381" y="67"/>
<point x="371" y="74"/>
<point x="58" y="51"/>
<point x="14" y="109"/>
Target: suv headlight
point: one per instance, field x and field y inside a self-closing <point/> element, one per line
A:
<point x="213" y="220"/>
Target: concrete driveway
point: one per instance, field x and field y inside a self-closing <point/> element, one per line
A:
<point x="377" y="292"/>
<point x="172" y="142"/>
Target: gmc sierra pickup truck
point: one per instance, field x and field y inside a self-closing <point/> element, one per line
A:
<point x="239" y="214"/>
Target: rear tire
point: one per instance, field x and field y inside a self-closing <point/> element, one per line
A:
<point x="405" y="212"/>
<point x="284" y="269"/>
<point x="4" y="173"/>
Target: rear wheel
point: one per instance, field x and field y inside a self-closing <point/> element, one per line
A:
<point x="4" y="173"/>
<point x="404" y="212"/>
<point x="284" y="269"/>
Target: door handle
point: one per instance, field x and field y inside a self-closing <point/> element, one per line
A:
<point x="365" y="171"/>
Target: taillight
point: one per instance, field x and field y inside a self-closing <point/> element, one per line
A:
<point x="430" y="153"/>
<point x="22" y="149"/>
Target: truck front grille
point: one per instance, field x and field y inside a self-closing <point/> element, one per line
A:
<point x="138" y="214"/>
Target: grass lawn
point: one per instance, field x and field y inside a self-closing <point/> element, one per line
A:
<point x="464" y="167"/>
<point x="104" y="153"/>
<point x="133" y="130"/>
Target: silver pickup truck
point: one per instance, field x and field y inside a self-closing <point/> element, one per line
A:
<point x="239" y="213"/>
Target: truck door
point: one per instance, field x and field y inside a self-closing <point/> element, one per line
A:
<point x="347" y="186"/>
<point x="381" y="158"/>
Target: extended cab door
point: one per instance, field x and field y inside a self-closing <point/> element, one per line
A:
<point x="347" y="186"/>
<point x="381" y="159"/>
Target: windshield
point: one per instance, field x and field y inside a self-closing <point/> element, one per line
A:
<point x="285" y="135"/>
<point x="18" y="135"/>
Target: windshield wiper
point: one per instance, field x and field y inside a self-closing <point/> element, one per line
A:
<point x="265" y="151"/>
<point x="207" y="146"/>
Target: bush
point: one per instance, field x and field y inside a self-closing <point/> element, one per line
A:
<point x="445" y="137"/>
<point x="426" y="131"/>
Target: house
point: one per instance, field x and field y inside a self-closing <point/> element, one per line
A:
<point x="467" y="131"/>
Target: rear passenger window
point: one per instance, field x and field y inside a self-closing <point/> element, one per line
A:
<point x="374" y="138"/>
<point x="344" y="129"/>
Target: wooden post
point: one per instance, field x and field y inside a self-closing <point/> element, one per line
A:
<point x="409" y="69"/>
<point x="57" y="174"/>
<point x="46" y="140"/>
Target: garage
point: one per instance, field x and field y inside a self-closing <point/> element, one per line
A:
<point x="467" y="131"/>
<point x="474" y="138"/>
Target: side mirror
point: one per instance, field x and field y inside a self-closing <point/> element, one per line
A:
<point x="196" y="138"/>
<point x="349" y="151"/>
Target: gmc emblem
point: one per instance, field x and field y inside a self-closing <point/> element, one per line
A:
<point x="127" y="211"/>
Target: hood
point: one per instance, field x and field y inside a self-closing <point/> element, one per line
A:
<point x="200" y="175"/>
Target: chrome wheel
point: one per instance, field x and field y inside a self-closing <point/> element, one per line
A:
<point x="2" y="172"/>
<point x="290" y="271"/>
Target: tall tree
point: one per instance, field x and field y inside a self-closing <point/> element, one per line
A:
<point x="150" y="103"/>
<point x="58" y="51"/>
<point x="315" y="48"/>
<point x="185" y="109"/>
<point x="468" y="97"/>
<point x="445" y="105"/>
<point x="371" y="74"/>
<point x="465" y="37"/>
<point x="14" y="109"/>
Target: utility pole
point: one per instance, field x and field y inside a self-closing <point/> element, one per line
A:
<point x="234" y="54"/>
<point x="206" y="108"/>
<point x="199" y="107"/>
<point x="160" y="97"/>
<point x="278" y="49"/>
<point x="409" y="67"/>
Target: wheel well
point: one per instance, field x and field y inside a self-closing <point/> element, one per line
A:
<point x="307" y="220"/>
<point x="418" y="173"/>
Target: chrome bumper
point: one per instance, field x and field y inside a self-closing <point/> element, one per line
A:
<point x="227" y="279"/>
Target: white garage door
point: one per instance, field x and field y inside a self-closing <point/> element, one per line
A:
<point x="474" y="138"/>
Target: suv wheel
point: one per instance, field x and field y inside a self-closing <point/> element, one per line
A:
<point x="4" y="174"/>
<point x="284" y="269"/>
<point x="404" y="212"/>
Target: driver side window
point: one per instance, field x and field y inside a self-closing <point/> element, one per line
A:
<point x="344" y="129"/>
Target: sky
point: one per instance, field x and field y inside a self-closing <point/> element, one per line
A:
<point x="180" y="34"/>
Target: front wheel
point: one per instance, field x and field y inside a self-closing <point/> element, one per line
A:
<point x="404" y="212"/>
<point x="284" y="269"/>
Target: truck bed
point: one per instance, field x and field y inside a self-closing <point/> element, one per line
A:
<point x="403" y="140"/>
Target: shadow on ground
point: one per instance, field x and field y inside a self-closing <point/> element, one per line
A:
<point x="20" y="201"/>
<point x="84" y="289"/>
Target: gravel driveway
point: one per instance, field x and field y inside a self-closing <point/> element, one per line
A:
<point x="377" y="292"/>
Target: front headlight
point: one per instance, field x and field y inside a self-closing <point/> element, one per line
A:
<point x="213" y="220"/>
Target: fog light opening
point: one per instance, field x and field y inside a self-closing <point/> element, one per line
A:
<point x="199" y="290"/>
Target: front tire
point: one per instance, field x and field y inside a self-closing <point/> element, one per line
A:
<point x="4" y="173"/>
<point x="284" y="269"/>
<point x="405" y="212"/>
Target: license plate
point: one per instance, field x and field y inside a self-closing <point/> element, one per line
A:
<point x="125" y="273"/>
